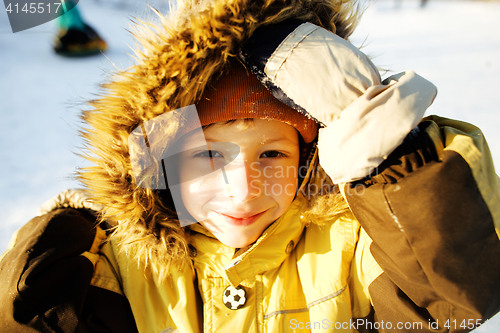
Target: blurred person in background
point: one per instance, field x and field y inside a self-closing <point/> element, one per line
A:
<point x="75" y="38"/>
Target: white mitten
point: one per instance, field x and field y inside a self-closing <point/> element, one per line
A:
<point x="320" y="74"/>
<point x="372" y="126"/>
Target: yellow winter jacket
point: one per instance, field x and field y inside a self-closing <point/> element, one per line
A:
<point x="295" y="278"/>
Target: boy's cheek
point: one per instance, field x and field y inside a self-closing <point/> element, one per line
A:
<point x="281" y="190"/>
<point x="205" y="186"/>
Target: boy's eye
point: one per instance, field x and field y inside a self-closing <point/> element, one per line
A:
<point x="272" y="154"/>
<point x="209" y="154"/>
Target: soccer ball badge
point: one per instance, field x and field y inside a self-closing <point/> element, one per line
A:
<point x="234" y="298"/>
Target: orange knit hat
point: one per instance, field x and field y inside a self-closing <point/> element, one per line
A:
<point x="238" y="94"/>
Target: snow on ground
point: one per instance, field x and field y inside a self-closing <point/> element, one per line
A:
<point x="40" y="98"/>
<point x="454" y="44"/>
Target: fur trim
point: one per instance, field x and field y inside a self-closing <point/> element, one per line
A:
<point x="175" y="59"/>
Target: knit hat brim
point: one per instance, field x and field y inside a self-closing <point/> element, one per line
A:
<point x="238" y="94"/>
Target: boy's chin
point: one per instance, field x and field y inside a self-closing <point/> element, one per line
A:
<point x="234" y="238"/>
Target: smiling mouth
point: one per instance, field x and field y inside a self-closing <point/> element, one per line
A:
<point x="242" y="220"/>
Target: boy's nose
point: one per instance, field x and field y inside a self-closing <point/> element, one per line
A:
<point x="242" y="181"/>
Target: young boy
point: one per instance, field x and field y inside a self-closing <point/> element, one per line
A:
<point x="253" y="174"/>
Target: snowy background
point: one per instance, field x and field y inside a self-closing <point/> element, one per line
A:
<point x="454" y="44"/>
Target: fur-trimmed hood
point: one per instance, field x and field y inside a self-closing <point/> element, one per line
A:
<point x="176" y="59"/>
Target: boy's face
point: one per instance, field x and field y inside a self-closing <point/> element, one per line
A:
<point x="254" y="181"/>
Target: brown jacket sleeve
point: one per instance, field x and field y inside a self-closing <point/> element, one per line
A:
<point x="434" y="236"/>
<point x="45" y="281"/>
